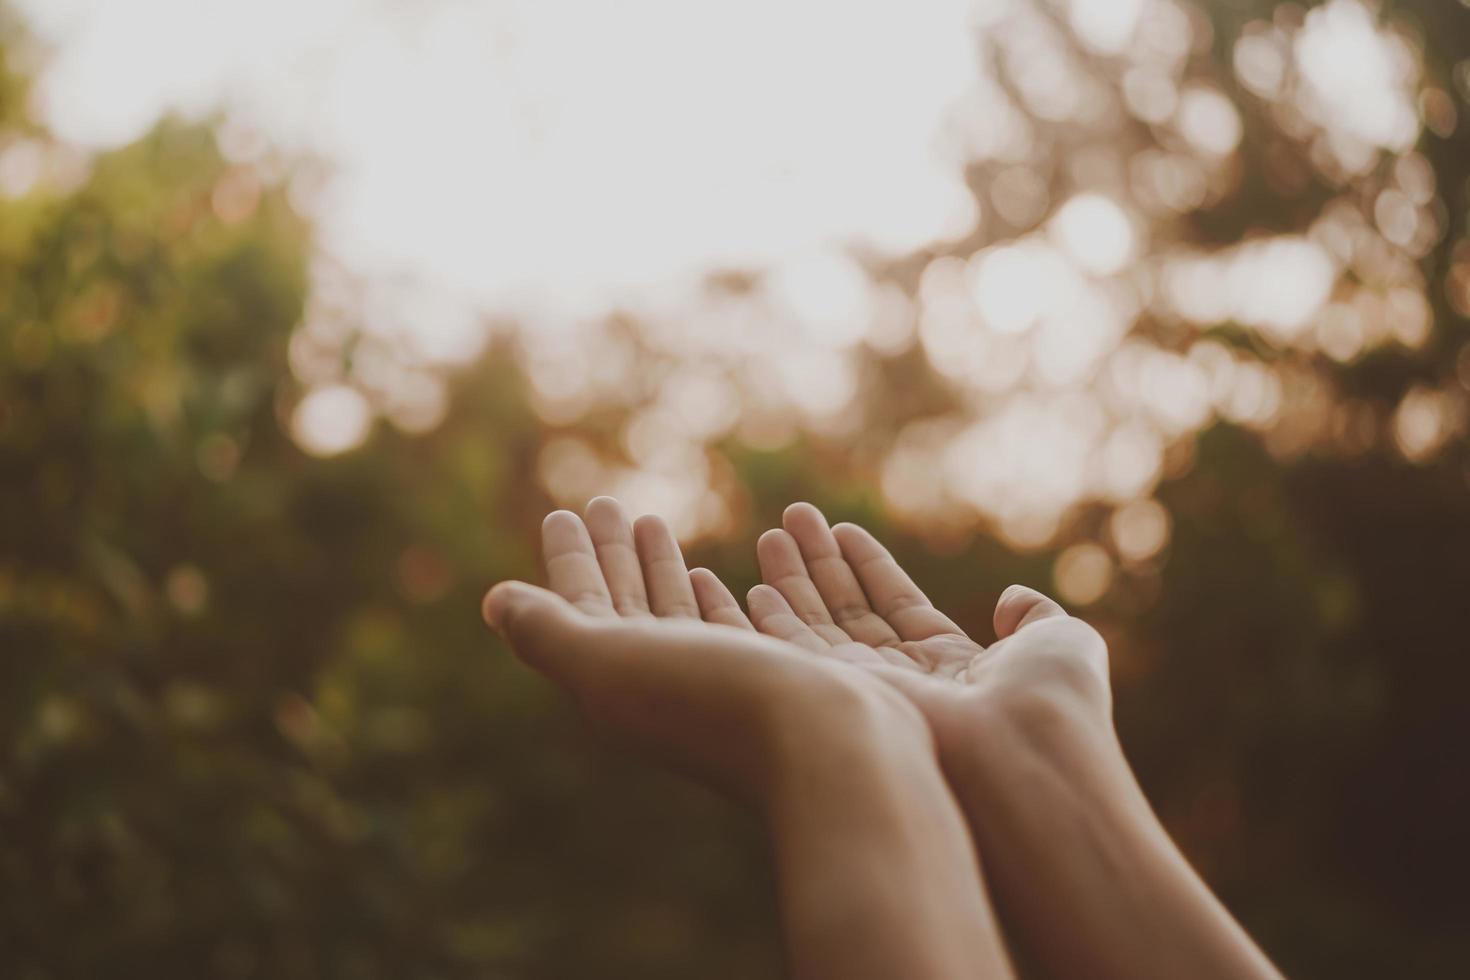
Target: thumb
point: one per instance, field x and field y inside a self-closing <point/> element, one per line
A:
<point x="539" y="625"/>
<point x="1019" y="606"/>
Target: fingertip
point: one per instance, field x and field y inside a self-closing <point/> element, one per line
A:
<point x="857" y="542"/>
<point x="606" y="520"/>
<point x="648" y="525"/>
<point x="811" y="532"/>
<point x="654" y="539"/>
<point x="807" y="524"/>
<point x="774" y="539"/>
<point x="542" y="629"/>
<point x="758" y="600"/>
<point x="604" y="504"/>
<point x="766" y="597"/>
<point x="777" y="554"/>
<point x="495" y="607"/>
<point x="1019" y="605"/>
<point x="562" y="530"/>
<point x="803" y="511"/>
<point x="1014" y="589"/>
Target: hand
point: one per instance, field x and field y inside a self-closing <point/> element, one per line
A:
<point x="838" y="592"/>
<point x="1024" y="733"/>
<point x="665" y="658"/>
<point x="877" y="873"/>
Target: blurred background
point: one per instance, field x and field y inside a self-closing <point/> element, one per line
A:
<point x="309" y="311"/>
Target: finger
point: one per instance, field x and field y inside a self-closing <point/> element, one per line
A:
<point x="571" y="564"/>
<point x="612" y="538"/>
<point x="664" y="572"/>
<point x="1019" y="606"/>
<point x="773" y="616"/>
<point x="540" y="626"/>
<point x="716" y="603"/>
<point x="783" y="568"/>
<point x="834" y="579"/>
<point x="890" y="591"/>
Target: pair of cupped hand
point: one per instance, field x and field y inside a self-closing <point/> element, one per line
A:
<point x="838" y="643"/>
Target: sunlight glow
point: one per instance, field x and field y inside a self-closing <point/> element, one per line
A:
<point x="1106" y="25"/>
<point x="550" y="157"/>
<point x="1359" y="76"/>
<point x="709" y="222"/>
<point x="1139" y="529"/>
<point x="1209" y="121"/>
<point x="331" y="420"/>
<point x="1095" y="232"/>
<point x="1083" y="574"/>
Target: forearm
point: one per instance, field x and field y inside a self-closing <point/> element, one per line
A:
<point x="877" y="873"/>
<point x="1087" y="872"/>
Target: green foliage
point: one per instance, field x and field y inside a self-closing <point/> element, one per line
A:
<point x="250" y="724"/>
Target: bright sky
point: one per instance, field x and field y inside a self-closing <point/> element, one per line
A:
<point x="554" y="159"/>
<point x="554" y="154"/>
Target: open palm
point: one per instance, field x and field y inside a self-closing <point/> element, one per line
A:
<point x="665" y="658"/>
<point x="838" y="592"/>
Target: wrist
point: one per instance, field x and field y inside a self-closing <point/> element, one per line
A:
<point x="992" y="730"/>
<point x="850" y="739"/>
<point x="1068" y="833"/>
<point x="1003" y="756"/>
<point x="875" y="862"/>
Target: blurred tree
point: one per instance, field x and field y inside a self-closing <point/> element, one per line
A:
<point x="250" y="722"/>
<point x="251" y="725"/>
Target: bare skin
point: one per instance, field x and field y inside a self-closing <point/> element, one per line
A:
<point x="1024" y="733"/>
<point x="878" y="875"/>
